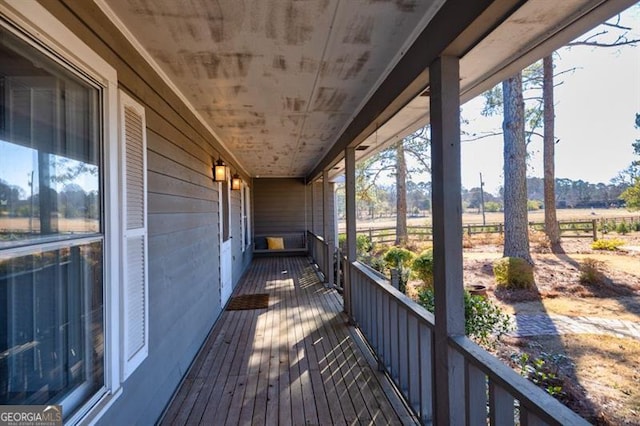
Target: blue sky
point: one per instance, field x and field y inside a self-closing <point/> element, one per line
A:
<point x="595" y="115"/>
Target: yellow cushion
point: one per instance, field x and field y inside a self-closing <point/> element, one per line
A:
<point x="275" y="243"/>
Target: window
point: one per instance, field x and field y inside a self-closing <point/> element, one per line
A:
<point x="52" y="241"/>
<point x="60" y="242"/>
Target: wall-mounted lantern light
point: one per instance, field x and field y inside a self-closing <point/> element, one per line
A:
<point x="219" y="171"/>
<point x="236" y="182"/>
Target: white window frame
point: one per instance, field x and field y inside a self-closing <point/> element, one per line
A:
<point x="34" y="24"/>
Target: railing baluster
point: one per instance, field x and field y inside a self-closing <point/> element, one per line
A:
<point x="357" y="292"/>
<point x="366" y="289"/>
<point x="403" y="351"/>
<point x="375" y="316"/>
<point x="527" y="418"/>
<point x="425" y="365"/>
<point x="475" y="395"/>
<point x="413" y="358"/>
<point x="501" y="405"/>
<point x="393" y="328"/>
<point x="386" y="330"/>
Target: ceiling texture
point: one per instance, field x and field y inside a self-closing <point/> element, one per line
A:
<point x="286" y="85"/>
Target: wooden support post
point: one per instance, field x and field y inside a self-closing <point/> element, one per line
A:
<point x="350" y="195"/>
<point x="595" y="229"/>
<point x="327" y="233"/>
<point x="447" y="242"/>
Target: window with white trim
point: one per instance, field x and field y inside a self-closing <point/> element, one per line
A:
<point x="135" y="292"/>
<point x="52" y="228"/>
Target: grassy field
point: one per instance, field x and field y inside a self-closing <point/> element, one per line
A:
<point x="473" y="217"/>
<point x="22" y="225"/>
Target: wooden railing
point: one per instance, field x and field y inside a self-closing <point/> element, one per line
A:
<point x="401" y="334"/>
<point x="319" y="252"/>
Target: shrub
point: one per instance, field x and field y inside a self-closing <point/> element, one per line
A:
<point x="591" y="271"/>
<point x="376" y="263"/>
<point x="605" y="226"/>
<point x="513" y="273"/>
<point x="342" y="241"/>
<point x="492" y="206"/>
<point x="363" y="244"/>
<point x="622" y="228"/>
<point x="636" y="226"/>
<point x="484" y="321"/>
<point x="422" y="266"/>
<point x="611" y="245"/>
<point x="404" y="274"/>
<point x="397" y="257"/>
<point x="534" y="205"/>
<point x="543" y="372"/>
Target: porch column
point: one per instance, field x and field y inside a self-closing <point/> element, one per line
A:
<point x="350" y="195"/>
<point x="447" y="238"/>
<point x="326" y="225"/>
<point x="311" y="189"/>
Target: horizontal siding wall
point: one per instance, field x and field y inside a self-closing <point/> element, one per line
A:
<point x="279" y="206"/>
<point x="184" y="293"/>
<point x="289" y="205"/>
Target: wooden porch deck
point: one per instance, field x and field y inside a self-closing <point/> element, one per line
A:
<point x="295" y="363"/>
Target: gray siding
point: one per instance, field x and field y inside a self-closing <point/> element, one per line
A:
<point x="184" y="293"/>
<point x="279" y="206"/>
<point x="288" y="205"/>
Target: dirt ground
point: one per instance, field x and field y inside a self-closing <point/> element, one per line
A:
<point x="600" y="373"/>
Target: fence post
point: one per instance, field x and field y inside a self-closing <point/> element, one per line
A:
<point x="595" y="229"/>
<point x="395" y="278"/>
<point x="469" y="229"/>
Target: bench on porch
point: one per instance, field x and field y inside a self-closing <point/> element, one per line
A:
<point x="280" y="243"/>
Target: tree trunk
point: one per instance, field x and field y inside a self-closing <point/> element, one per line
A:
<point x="551" y="226"/>
<point x="401" y="195"/>
<point x="516" y="229"/>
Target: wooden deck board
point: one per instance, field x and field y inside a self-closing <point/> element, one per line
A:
<point x="295" y="363"/>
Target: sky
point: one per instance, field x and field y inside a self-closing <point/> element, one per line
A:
<point x="595" y="117"/>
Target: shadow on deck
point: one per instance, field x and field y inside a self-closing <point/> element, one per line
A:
<point x="296" y="362"/>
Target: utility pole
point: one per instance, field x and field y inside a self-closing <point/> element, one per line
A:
<point x="484" y="221"/>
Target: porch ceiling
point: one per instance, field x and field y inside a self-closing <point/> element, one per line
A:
<point x="285" y="85"/>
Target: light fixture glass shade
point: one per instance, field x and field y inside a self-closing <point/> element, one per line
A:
<point x="219" y="171"/>
<point x="236" y="182"/>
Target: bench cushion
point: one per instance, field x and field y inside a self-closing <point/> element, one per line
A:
<point x="275" y="243"/>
